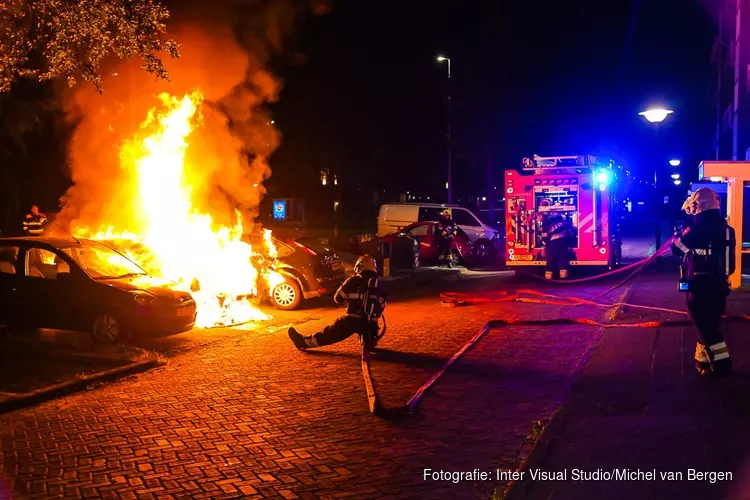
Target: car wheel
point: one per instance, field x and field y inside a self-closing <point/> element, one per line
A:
<point x="483" y="250"/>
<point x="286" y="296"/>
<point x="106" y="329"/>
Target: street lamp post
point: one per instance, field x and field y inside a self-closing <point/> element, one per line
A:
<point x="447" y="60"/>
<point x="656" y="116"/>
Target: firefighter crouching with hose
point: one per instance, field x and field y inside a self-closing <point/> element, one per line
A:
<point x="556" y="236"/>
<point x="365" y="301"/>
<point x="445" y="230"/>
<point x="707" y="247"/>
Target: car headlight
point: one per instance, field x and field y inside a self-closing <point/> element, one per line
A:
<point x="142" y="298"/>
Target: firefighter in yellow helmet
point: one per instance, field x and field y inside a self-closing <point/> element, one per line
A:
<point x="445" y="231"/>
<point x="707" y="247"/>
<point x="365" y="301"/>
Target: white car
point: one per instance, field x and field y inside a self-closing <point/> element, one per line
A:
<point x="395" y="216"/>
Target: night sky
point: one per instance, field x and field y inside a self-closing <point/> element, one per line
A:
<point x="540" y="77"/>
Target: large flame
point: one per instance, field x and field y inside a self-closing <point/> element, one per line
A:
<point x="169" y="237"/>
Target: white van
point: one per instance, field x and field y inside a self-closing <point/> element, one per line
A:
<point x="393" y="217"/>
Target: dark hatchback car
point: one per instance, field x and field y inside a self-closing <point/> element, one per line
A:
<point x="310" y="268"/>
<point x="77" y="284"/>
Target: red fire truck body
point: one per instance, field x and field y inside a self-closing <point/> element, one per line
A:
<point x="577" y="189"/>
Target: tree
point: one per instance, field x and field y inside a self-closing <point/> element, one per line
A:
<point x="49" y="39"/>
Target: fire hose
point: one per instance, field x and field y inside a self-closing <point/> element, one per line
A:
<point x="526" y="296"/>
<point x="638" y="266"/>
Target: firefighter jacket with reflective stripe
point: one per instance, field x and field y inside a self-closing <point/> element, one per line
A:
<point x="554" y="230"/>
<point x="445" y="228"/>
<point x="353" y="292"/>
<point x="708" y="247"/>
<point x="34" y="224"/>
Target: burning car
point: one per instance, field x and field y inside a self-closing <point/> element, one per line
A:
<point x="310" y="269"/>
<point x="301" y="268"/>
<point x="79" y="284"/>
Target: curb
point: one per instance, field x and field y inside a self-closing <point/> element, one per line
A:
<point x="517" y="490"/>
<point x="18" y="401"/>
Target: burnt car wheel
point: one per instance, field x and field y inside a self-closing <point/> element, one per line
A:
<point x="286" y="296"/>
<point x="106" y="329"/>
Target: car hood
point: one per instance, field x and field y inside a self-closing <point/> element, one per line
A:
<point x="159" y="287"/>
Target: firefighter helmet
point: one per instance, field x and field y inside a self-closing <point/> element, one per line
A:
<point x="687" y="207"/>
<point x="365" y="263"/>
<point x="446" y="213"/>
<point x="702" y="200"/>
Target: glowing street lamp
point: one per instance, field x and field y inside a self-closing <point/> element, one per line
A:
<point x="674" y="163"/>
<point x="656" y="115"/>
<point x="445" y="60"/>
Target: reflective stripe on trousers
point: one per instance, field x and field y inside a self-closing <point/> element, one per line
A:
<point x="719" y="351"/>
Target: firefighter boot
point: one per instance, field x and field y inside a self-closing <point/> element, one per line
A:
<point x="702" y="362"/>
<point x="300" y="341"/>
<point x="297" y="339"/>
<point x="722" y="368"/>
<point x="721" y="362"/>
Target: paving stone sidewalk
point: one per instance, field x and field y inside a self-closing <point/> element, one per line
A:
<point x="254" y="418"/>
<point x="640" y="406"/>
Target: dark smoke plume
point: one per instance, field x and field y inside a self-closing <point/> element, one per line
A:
<point x="226" y="46"/>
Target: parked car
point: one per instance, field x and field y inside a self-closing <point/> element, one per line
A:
<point x="424" y="234"/>
<point x="311" y="268"/>
<point x="394" y="217"/>
<point x="78" y="284"/>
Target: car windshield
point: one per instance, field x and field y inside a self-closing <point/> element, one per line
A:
<point x="101" y="262"/>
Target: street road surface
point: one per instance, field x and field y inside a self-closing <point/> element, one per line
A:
<point x="242" y="414"/>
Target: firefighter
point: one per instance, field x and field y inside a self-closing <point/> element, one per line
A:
<point x="365" y="300"/>
<point x="445" y="230"/>
<point x="556" y="237"/>
<point x="707" y="247"/>
<point x="33" y="223"/>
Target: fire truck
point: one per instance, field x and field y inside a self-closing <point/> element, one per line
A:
<point x="574" y="187"/>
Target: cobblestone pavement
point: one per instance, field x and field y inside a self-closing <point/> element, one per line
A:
<point x="639" y="406"/>
<point x="251" y="417"/>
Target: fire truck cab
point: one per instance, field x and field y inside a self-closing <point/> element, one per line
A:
<point x="574" y="187"/>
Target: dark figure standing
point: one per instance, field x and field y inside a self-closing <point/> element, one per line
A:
<point x="445" y="230"/>
<point x="556" y="236"/>
<point x="33" y="223"/>
<point x="365" y="301"/>
<point x="708" y="247"/>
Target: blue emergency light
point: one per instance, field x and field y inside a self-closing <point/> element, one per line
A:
<point x="602" y="178"/>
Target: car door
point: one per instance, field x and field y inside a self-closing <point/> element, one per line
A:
<point x="10" y="303"/>
<point x="427" y="244"/>
<point x="52" y="300"/>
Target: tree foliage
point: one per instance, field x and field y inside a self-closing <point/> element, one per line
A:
<point x="49" y="39"/>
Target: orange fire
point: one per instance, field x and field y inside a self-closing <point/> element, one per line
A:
<point x="175" y="240"/>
